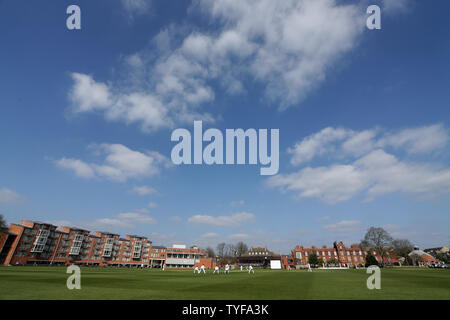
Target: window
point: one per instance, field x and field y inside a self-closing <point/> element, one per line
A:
<point x="76" y="246"/>
<point x="41" y="240"/>
<point x="107" y="251"/>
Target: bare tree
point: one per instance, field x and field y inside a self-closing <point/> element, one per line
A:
<point x="210" y="252"/>
<point x="229" y="250"/>
<point x="220" y="249"/>
<point x="377" y="239"/>
<point x="241" y="248"/>
<point x="3" y="224"/>
<point x="402" y="247"/>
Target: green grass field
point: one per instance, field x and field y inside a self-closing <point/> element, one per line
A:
<point x="108" y="283"/>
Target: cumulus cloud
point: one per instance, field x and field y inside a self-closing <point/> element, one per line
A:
<point x="344" y="226"/>
<point x="368" y="168"/>
<point x="239" y="236"/>
<point x="88" y="95"/>
<point x="176" y="219"/>
<point x="418" y="140"/>
<point x="125" y="220"/>
<point x="287" y="47"/>
<point x="395" y="6"/>
<point x="346" y="142"/>
<point x="120" y="163"/>
<point x="323" y="219"/>
<point x="233" y="220"/>
<point x="144" y="191"/>
<point x="152" y="205"/>
<point x="210" y="235"/>
<point x="375" y="174"/>
<point x="80" y="168"/>
<point x="236" y="203"/>
<point x="136" y="217"/>
<point x="136" y="6"/>
<point x="104" y="224"/>
<point x="317" y="144"/>
<point x="10" y="196"/>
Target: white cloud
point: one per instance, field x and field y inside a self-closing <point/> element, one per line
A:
<point x="375" y="174"/>
<point x="288" y="47"/>
<point x="332" y="184"/>
<point x="210" y="235"/>
<point x="233" y="220"/>
<point x="104" y="224"/>
<point x="317" y="144"/>
<point x="144" y="191"/>
<point x="367" y="168"/>
<point x="10" y="196"/>
<point x="152" y="205"/>
<point x="342" y="142"/>
<point x="176" y="219"/>
<point x="81" y="169"/>
<point x="420" y="140"/>
<point x="136" y="217"/>
<point x="136" y="6"/>
<point x="395" y="6"/>
<point x="88" y="95"/>
<point x="125" y="220"/>
<point x="344" y="226"/>
<point x="239" y="236"/>
<point x="323" y="219"/>
<point x="120" y="163"/>
<point x="237" y="203"/>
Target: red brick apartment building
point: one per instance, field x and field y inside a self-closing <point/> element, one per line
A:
<point x="341" y="255"/>
<point x="34" y="242"/>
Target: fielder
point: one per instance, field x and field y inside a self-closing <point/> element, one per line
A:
<point x="216" y="268"/>
<point x="196" y="270"/>
<point x="202" y="269"/>
<point x="227" y="268"/>
<point x="250" y="270"/>
<point x="309" y="268"/>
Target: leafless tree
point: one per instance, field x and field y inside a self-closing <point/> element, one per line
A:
<point x="241" y="248"/>
<point x="220" y="249"/>
<point x="3" y="224"/>
<point x="402" y="247"/>
<point x="377" y="239"/>
<point x="229" y="250"/>
<point x="210" y="252"/>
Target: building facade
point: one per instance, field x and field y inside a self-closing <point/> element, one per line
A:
<point x="339" y="255"/>
<point x="40" y="243"/>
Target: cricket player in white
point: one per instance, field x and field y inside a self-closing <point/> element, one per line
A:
<point x="216" y="268"/>
<point x="202" y="269"/>
<point x="196" y="270"/>
<point x="250" y="269"/>
<point x="241" y="268"/>
<point x="227" y="268"/>
<point x="309" y="268"/>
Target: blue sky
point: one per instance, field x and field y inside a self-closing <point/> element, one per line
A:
<point x="86" y="117"/>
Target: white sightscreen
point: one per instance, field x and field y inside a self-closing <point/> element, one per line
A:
<point x="275" y="264"/>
